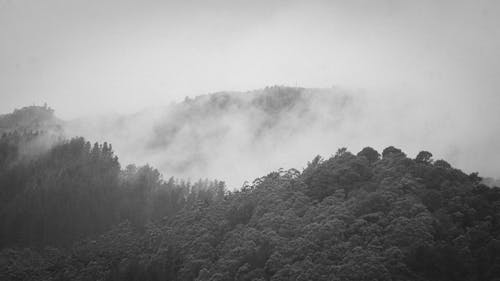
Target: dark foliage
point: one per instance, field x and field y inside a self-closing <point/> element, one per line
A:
<point x="350" y="217"/>
<point x="391" y="151"/>
<point x="424" y="157"/>
<point x="77" y="190"/>
<point x="370" y="154"/>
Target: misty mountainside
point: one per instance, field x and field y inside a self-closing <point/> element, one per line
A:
<point x="226" y="135"/>
<point x="71" y="209"/>
<point x="30" y="119"/>
<point x="491" y="181"/>
<point x="27" y="132"/>
<point x="210" y="135"/>
<point x="74" y="213"/>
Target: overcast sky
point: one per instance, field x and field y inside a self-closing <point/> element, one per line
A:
<point x="90" y="57"/>
<point x="429" y="70"/>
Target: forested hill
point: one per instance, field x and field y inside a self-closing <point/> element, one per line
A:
<point x="28" y="132"/>
<point x="75" y="214"/>
<point x="30" y="119"/>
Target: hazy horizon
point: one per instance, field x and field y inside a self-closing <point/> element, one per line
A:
<point x="94" y="57"/>
<point x="425" y="72"/>
<point x="233" y="136"/>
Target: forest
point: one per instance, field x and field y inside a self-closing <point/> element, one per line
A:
<point x="72" y="212"/>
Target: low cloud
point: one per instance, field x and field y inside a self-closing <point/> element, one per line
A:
<point x="238" y="136"/>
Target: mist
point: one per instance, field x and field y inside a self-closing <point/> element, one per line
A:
<point x="238" y="136"/>
<point x="249" y="140"/>
<point x="419" y="75"/>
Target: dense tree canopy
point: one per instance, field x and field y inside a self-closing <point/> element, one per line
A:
<point x="370" y="154"/>
<point x="76" y="190"/>
<point x="424" y="157"/>
<point x="349" y="217"/>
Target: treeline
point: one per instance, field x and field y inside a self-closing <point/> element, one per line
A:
<point x="361" y="216"/>
<point x="77" y="190"/>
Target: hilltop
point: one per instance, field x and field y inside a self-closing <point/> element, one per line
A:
<point x="30" y="119"/>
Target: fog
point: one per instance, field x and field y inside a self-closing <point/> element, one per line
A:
<point x="419" y="74"/>
<point x="239" y="136"/>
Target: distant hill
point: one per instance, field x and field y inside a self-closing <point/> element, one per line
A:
<point x="286" y="109"/>
<point x="28" y="132"/>
<point x="29" y="119"/>
<point x="207" y="135"/>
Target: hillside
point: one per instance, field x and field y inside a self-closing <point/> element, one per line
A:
<point x="71" y="210"/>
<point x="361" y="216"/>
<point x="29" y="119"/>
<point x="28" y="132"/>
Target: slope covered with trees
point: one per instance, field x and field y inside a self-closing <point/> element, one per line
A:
<point x="30" y="118"/>
<point x="360" y="216"/>
<point x="76" y="189"/>
<point x="54" y="192"/>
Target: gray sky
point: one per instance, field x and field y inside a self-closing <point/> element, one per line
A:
<point x="88" y="57"/>
<point x="429" y="70"/>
